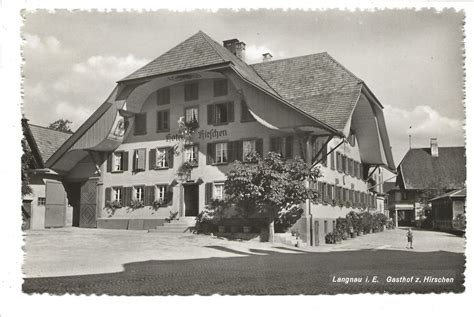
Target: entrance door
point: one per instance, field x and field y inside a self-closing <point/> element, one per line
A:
<point x="55" y="212"/>
<point x="316" y="233"/>
<point x="191" y="200"/>
<point x="88" y="217"/>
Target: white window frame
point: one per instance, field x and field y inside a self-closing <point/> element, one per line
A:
<point x="117" y="194"/>
<point x="41" y="201"/>
<point x="191" y="113"/>
<point x="246" y="149"/>
<point x="161" y="192"/>
<point x="117" y="164"/>
<point x="162" y="160"/>
<point x="218" y="192"/>
<point x="139" y="193"/>
<point x="191" y="153"/>
<point x="221" y="153"/>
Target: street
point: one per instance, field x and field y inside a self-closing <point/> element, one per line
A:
<point x="88" y="261"/>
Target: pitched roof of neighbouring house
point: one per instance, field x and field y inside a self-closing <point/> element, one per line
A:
<point x="457" y="193"/>
<point x="316" y="84"/>
<point x="419" y="170"/>
<point x="47" y="140"/>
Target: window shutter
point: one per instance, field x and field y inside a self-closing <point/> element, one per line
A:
<point x="211" y="149"/>
<point x="166" y="120"/>
<point x="125" y="161"/>
<point x="210" y="114"/>
<point x="230" y="111"/>
<point x="170" y="154"/>
<point x="109" y="162"/>
<point x="273" y="144"/>
<point x="208" y="193"/>
<point x="197" y="153"/>
<point x="169" y="195"/>
<point x="134" y="160"/>
<point x="149" y="195"/>
<point x="159" y="121"/>
<point x="230" y="152"/>
<point x="108" y="194"/>
<point x="239" y="150"/>
<point x="259" y="147"/>
<point x="141" y="159"/>
<point x="152" y="158"/>
<point x="127" y="196"/>
<point x="140" y="123"/>
<point x="289" y="147"/>
<point x="332" y="160"/>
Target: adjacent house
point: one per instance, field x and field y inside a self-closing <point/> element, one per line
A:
<point x="423" y="174"/>
<point x="47" y="206"/>
<point x="121" y="168"/>
<point x="449" y="209"/>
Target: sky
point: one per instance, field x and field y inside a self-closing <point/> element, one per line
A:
<point x="411" y="60"/>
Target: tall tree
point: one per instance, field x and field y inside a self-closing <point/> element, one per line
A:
<point x="25" y="162"/>
<point x="63" y="125"/>
<point x="268" y="185"/>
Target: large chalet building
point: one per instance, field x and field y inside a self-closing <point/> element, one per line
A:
<point x="309" y="106"/>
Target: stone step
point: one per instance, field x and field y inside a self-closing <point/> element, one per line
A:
<point x="170" y="230"/>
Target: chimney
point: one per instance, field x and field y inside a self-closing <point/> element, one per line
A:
<point x="434" y="147"/>
<point x="235" y="47"/>
<point x="267" y="57"/>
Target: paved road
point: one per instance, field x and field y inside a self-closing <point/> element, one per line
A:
<point x="184" y="265"/>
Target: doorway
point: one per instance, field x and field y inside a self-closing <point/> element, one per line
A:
<point x="73" y="191"/>
<point x="191" y="200"/>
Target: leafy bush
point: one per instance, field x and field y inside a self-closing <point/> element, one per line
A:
<point x="134" y="204"/>
<point x="460" y="222"/>
<point x="287" y="218"/>
<point x="342" y="225"/>
<point x="354" y="220"/>
<point x="112" y="205"/>
<point x="330" y="238"/>
<point x="366" y="221"/>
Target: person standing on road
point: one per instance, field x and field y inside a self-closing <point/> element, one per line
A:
<point x="410" y="238"/>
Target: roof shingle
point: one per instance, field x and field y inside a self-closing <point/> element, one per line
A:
<point x="48" y="140"/>
<point x="422" y="171"/>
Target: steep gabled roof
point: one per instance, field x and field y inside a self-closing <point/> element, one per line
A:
<point x="419" y="170"/>
<point x="47" y="140"/>
<point x="457" y="193"/>
<point x="316" y="84"/>
<point x="198" y="51"/>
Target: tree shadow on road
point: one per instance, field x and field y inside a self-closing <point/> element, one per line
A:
<point x="267" y="273"/>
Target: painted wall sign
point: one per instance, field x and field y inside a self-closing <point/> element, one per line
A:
<point x="118" y="128"/>
<point x="211" y="134"/>
<point x="202" y="135"/>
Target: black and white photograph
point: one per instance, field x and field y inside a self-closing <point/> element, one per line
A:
<point x="243" y="152"/>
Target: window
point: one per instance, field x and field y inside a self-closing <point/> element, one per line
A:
<point x="219" y="191"/>
<point x="162" y="193"/>
<point x="41" y="201"/>
<point x="245" y="115"/>
<point x="138" y="193"/>
<point x="221" y="113"/>
<point x="282" y="145"/>
<point x="191" y="153"/>
<point x="191" y="114"/>
<point x="163" y="121"/>
<point x="117" y="159"/>
<point x="191" y="91"/>
<point x="220" y="87"/>
<point x="162" y="158"/>
<point x="248" y="147"/>
<point x="332" y="160"/>
<point x="163" y="96"/>
<point x="325" y="226"/>
<point x="140" y="124"/>
<point x="339" y="161"/>
<point x="221" y="153"/>
<point x="320" y="146"/>
<point x="116" y="194"/>
<point x="139" y="157"/>
<point x="351" y="167"/>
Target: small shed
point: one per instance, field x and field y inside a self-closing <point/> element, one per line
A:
<point x="449" y="210"/>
